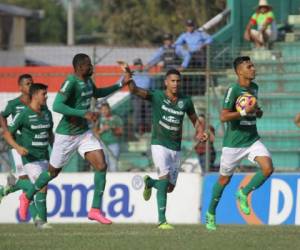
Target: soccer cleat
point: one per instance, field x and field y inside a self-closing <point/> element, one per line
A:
<point x="147" y="190"/>
<point x="165" y="226"/>
<point x="24" y="205"/>
<point x="97" y="215"/>
<point x="243" y="201"/>
<point x="211" y="221"/>
<point x="40" y="224"/>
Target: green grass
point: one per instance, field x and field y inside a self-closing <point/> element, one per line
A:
<point x="145" y="236"/>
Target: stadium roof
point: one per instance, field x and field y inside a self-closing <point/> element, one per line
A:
<point x="13" y="10"/>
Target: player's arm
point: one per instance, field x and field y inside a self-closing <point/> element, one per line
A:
<point x="61" y="107"/>
<point x="67" y="91"/>
<point x="102" y="92"/>
<point x="143" y="93"/>
<point x="8" y="135"/>
<point x="229" y="115"/>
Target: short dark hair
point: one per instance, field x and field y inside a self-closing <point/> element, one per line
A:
<point x="105" y="104"/>
<point x="34" y="88"/>
<point x="23" y="77"/>
<point x="78" y="59"/>
<point x="173" y="72"/>
<point x="239" y="60"/>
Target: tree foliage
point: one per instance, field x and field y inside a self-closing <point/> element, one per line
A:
<point x="117" y="22"/>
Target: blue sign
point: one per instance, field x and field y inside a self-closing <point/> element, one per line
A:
<point x="277" y="201"/>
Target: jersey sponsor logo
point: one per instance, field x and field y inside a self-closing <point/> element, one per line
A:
<point x="180" y="104"/>
<point x="168" y="127"/>
<point x="19" y="108"/>
<point x="172" y="111"/>
<point x="247" y="123"/>
<point x="171" y="119"/>
<point x="39" y="143"/>
<point x="88" y="93"/>
<point x="42" y="135"/>
<point x="41" y="126"/>
<point x="32" y="116"/>
<point x="228" y="95"/>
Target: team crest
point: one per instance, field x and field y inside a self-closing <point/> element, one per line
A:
<point x="180" y="104"/>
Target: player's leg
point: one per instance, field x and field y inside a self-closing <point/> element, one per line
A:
<point x="91" y="150"/>
<point x="162" y="158"/>
<point x="230" y="159"/>
<point x="63" y="148"/>
<point x="258" y="153"/>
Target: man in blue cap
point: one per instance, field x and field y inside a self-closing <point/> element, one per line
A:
<point x="192" y="42"/>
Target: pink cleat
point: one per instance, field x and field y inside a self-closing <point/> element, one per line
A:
<point x="23" y="209"/>
<point x="96" y="214"/>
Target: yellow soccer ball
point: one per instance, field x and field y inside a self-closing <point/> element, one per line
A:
<point x="244" y="100"/>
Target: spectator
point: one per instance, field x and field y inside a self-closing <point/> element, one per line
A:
<point x="110" y="129"/>
<point x="200" y="148"/>
<point x="264" y="21"/>
<point x="191" y="44"/>
<point x="165" y="54"/>
<point x="140" y="108"/>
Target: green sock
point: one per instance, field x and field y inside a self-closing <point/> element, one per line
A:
<point x="99" y="182"/>
<point x="215" y="198"/>
<point x="41" y="181"/>
<point x="41" y="205"/>
<point x="21" y="184"/>
<point x="33" y="210"/>
<point x="256" y="181"/>
<point x="161" y="196"/>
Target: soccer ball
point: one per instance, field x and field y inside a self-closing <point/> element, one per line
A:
<point x="244" y="100"/>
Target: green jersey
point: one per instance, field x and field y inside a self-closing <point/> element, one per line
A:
<point x="113" y="122"/>
<point x="35" y="131"/>
<point x="73" y="101"/>
<point x="13" y="108"/>
<point x="167" y="118"/>
<point x="242" y="132"/>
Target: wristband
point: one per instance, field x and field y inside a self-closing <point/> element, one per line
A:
<point x="243" y="112"/>
<point x="120" y="84"/>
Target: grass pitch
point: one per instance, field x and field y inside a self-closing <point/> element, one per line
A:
<point x="144" y="236"/>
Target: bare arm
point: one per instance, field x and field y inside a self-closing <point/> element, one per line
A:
<point x="199" y="125"/>
<point x="228" y="115"/>
<point x="11" y="141"/>
<point x="144" y="94"/>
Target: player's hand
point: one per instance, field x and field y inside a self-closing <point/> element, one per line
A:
<point x="251" y="108"/>
<point x="259" y="112"/>
<point x="22" y="151"/>
<point x="91" y="116"/>
<point x="202" y="137"/>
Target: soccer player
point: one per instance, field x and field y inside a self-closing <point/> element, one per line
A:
<point x="73" y="133"/>
<point x="35" y="124"/>
<point x="240" y="140"/>
<point x="169" y="108"/>
<point x="13" y="108"/>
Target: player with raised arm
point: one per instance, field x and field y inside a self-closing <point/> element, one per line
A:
<point x="35" y="124"/>
<point x="73" y="133"/>
<point x="169" y="108"/>
<point x="241" y="140"/>
<point x="14" y="107"/>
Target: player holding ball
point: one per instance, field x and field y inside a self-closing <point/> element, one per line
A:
<point x="241" y="139"/>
